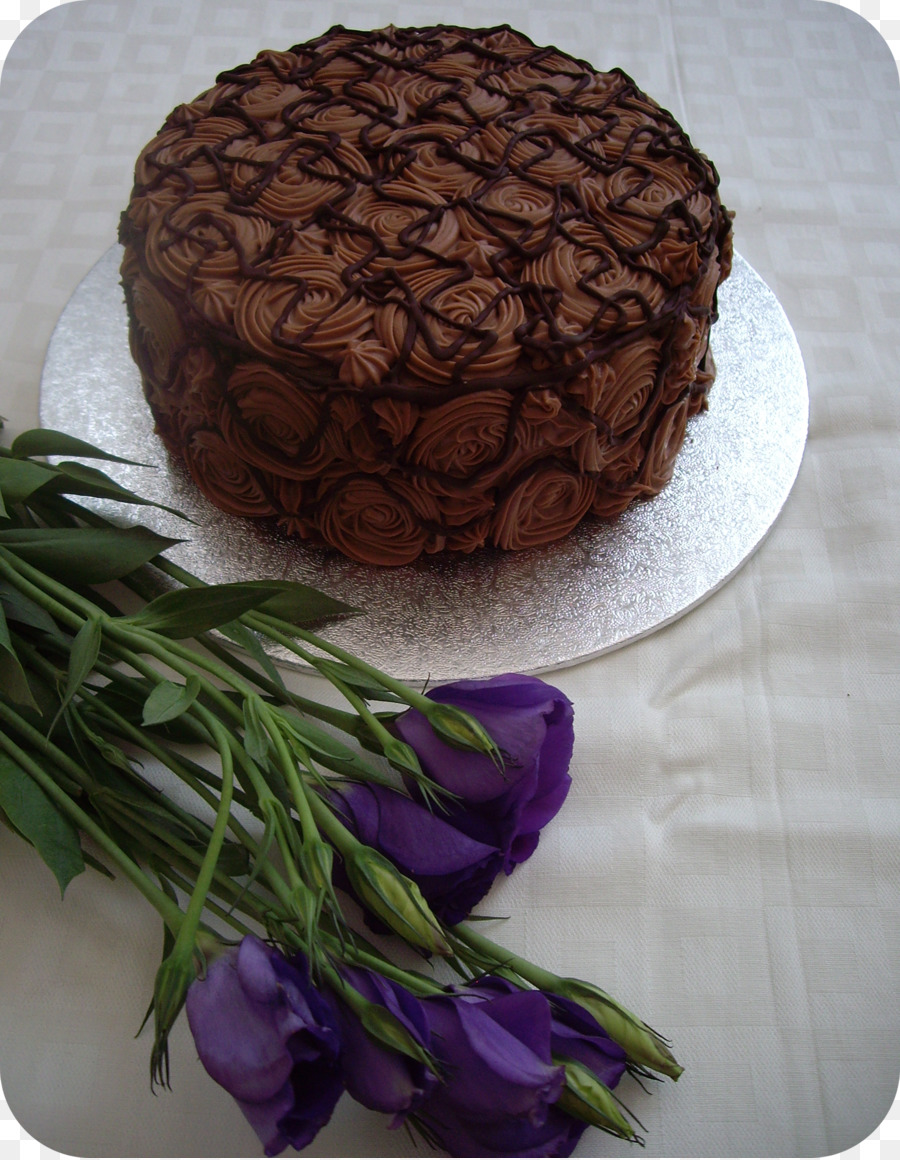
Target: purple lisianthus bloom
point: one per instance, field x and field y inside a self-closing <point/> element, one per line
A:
<point x="574" y="1032"/>
<point x="265" y="1033"/>
<point x="500" y="1082"/>
<point x="531" y="723"/>
<point x="453" y="870"/>
<point x="375" y="1075"/>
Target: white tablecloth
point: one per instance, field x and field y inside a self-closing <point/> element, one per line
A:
<point x="727" y="861"/>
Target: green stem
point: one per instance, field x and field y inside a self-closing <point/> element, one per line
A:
<point x="169" y="910"/>
<point x="185" y="938"/>
<point x="537" y="976"/>
<point x="19" y="574"/>
<point x="287" y="767"/>
<point x="269" y="624"/>
<point x="72" y="774"/>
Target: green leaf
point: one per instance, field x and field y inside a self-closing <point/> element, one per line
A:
<point x="13" y="680"/>
<point x="189" y="611"/>
<point x="330" y="751"/>
<point x="20" y="478"/>
<point x="85" y="555"/>
<point x="256" y="739"/>
<point x="128" y="695"/>
<point x="301" y="605"/>
<point x="365" y="686"/>
<point x="44" y="441"/>
<point x="22" y="610"/>
<point x="250" y="643"/>
<point x="170" y="700"/>
<point x="114" y="755"/>
<point x="40" y="822"/>
<point x="82" y="658"/>
<point x="79" y="479"/>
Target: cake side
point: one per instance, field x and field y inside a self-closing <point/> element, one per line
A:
<point x="417" y="290"/>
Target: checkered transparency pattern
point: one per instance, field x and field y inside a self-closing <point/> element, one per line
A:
<point x="884" y="16"/>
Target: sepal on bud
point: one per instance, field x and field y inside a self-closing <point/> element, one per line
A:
<point x="644" y="1046"/>
<point x="173" y="979"/>
<point x="460" y="729"/>
<point x="316" y="861"/>
<point x="393" y="898"/>
<point x="587" y="1099"/>
<point x="383" y="1026"/>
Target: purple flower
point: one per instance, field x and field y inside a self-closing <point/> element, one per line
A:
<point x="500" y="1082"/>
<point x="375" y="1075"/>
<point x="452" y="870"/>
<point x="269" y="1038"/>
<point x="531" y="723"/>
<point x="574" y="1032"/>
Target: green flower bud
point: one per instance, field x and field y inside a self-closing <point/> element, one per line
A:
<point x="587" y="1099"/>
<point x="402" y="756"/>
<point x="393" y="898"/>
<point x="387" y="1029"/>
<point x="170" y="988"/>
<point x="316" y="859"/>
<point x="643" y="1045"/>
<point x="461" y="730"/>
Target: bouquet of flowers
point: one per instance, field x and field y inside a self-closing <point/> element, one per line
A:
<point x="306" y="817"/>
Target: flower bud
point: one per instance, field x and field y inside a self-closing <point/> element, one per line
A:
<point x="393" y="898"/>
<point x="643" y="1045"/>
<point x="316" y="859"/>
<point x="402" y="756"/>
<point x="461" y="730"/>
<point x="387" y="1029"/>
<point x="170" y="988"/>
<point x="587" y="1099"/>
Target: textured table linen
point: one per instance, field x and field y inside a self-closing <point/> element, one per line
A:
<point x="727" y="861"/>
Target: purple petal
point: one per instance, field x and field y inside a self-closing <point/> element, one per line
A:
<point x="270" y="1039"/>
<point x="488" y="1067"/>
<point x="243" y="1045"/>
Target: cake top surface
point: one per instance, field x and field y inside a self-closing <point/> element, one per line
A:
<point x="427" y="210"/>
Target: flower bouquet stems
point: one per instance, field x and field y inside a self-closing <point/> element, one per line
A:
<point x="410" y="810"/>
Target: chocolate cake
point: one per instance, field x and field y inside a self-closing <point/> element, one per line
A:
<point x="423" y="289"/>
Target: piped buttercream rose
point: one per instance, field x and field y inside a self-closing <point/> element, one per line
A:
<point x="511" y="209"/>
<point x="665" y="443"/>
<point x="157" y="334"/>
<point x="356" y="437"/>
<point x="543" y="505"/>
<point x="300" y="309"/>
<point x="202" y="247"/>
<point x="372" y="521"/>
<point x="634" y="374"/>
<point x="445" y="326"/>
<point x="290" y="180"/>
<point x="599" y="291"/>
<point x="545" y="423"/>
<point x="263" y="97"/>
<point x="189" y="153"/>
<point x="383" y="231"/>
<point x="273" y="422"/>
<point x="538" y="154"/>
<point x="224" y="477"/>
<point x="192" y="400"/>
<point x="429" y="159"/>
<point x="462" y="435"/>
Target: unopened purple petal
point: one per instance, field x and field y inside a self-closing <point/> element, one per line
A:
<point x="270" y="1039"/>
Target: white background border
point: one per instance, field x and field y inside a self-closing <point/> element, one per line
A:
<point x="15" y="1142"/>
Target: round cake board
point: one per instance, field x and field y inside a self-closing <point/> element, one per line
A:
<point x="449" y="617"/>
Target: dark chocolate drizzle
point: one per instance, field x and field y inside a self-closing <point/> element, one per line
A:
<point x="553" y="220"/>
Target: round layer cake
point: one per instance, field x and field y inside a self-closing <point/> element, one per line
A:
<point x="423" y="290"/>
